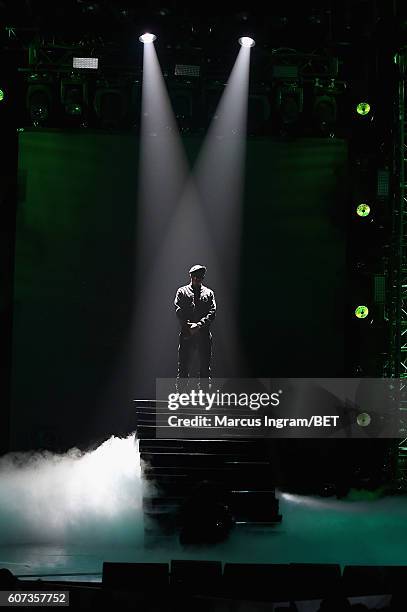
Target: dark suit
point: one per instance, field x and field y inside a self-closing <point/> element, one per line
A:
<point x="196" y="305"/>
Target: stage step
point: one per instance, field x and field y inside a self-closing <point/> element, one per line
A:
<point x="248" y="506"/>
<point x="199" y="460"/>
<point x="231" y="445"/>
<point x="241" y="467"/>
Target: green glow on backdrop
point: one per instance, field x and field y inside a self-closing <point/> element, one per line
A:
<point x="361" y="312"/>
<point x="363" y="210"/>
<point x="2" y="95"/>
<point x="363" y="108"/>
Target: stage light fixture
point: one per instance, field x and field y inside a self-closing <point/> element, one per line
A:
<point x="187" y="70"/>
<point x="285" y="73"/>
<point x="73" y="97"/>
<point x="85" y="62"/>
<point x="2" y="95"/>
<point x="363" y="210"/>
<point x="246" y="41"/>
<point x="147" y="38"/>
<point x="289" y="101"/>
<point x="75" y="110"/>
<point x="38" y="102"/>
<point x="363" y="108"/>
<point x="325" y="113"/>
<point x="111" y="106"/>
<point x="361" y="312"/>
<point x="383" y="183"/>
<point x="379" y="288"/>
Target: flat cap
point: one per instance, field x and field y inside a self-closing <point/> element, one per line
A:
<point x="198" y="271"/>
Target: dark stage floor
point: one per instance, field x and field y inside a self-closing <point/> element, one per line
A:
<point x="79" y="511"/>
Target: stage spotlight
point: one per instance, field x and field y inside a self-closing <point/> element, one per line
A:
<point x="38" y="102"/>
<point x="73" y="97"/>
<point x="147" y="38"/>
<point x="361" y="312"/>
<point x="246" y="41"/>
<point x="325" y="113"/>
<point x="363" y="210"/>
<point x="85" y="63"/>
<point x="289" y="103"/>
<point x="2" y="95"/>
<point x="363" y="108"/>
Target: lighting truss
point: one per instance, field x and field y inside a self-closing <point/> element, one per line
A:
<point x="398" y="277"/>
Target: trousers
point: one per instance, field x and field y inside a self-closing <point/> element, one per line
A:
<point x="202" y="342"/>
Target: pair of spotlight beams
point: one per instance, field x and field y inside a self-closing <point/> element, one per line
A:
<point x="148" y="38"/>
<point x="362" y="108"/>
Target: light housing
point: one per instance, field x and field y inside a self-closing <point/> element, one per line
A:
<point x="147" y="38"/>
<point x="363" y="210"/>
<point x="246" y="41"/>
<point x="83" y="63"/>
<point x="361" y="312"/>
<point x="38" y="102"/>
<point x="363" y="108"/>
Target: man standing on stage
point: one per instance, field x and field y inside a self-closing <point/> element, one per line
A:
<point x="195" y="307"/>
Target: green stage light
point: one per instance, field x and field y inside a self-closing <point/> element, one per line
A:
<point x="74" y="109"/>
<point x="361" y="312"/>
<point x="363" y="210"/>
<point x="363" y="108"/>
<point x="363" y="419"/>
<point x="2" y="95"/>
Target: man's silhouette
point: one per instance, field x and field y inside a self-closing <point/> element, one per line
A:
<point x="195" y="307"/>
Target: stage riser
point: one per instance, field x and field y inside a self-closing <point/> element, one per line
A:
<point x="200" y="461"/>
<point x="252" y="508"/>
<point x="171" y="518"/>
<point x="240" y="467"/>
<point x="231" y="476"/>
<point x="177" y="485"/>
<point x="249" y="497"/>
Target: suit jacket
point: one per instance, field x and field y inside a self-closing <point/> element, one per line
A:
<point x="197" y="308"/>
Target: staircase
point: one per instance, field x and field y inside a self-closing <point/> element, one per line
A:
<point x="172" y="469"/>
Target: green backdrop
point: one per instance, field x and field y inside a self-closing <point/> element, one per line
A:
<point x="76" y="227"/>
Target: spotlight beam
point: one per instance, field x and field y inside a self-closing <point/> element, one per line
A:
<point x="161" y="236"/>
<point x="219" y="177"/>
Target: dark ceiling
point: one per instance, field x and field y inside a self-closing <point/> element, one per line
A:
<point x="198" y="24"/>
<point x="338" y="41"/>
<point x="204" y="32"/>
